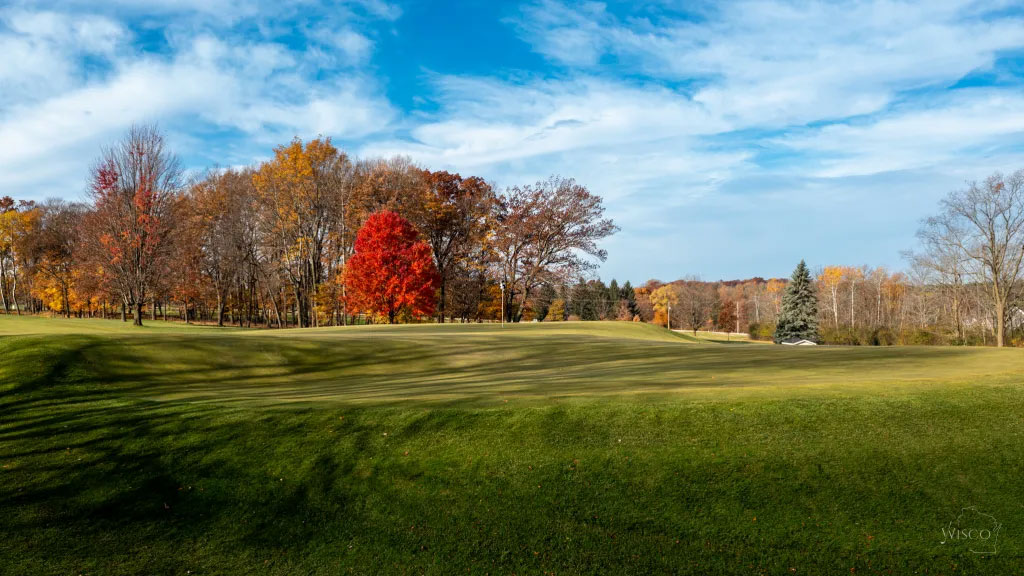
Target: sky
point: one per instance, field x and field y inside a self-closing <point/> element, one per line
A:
<point x="728" y="139"/>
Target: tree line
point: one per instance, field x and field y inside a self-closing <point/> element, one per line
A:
<point x="270" y="244"/>
<point x="964" y="284"/>
<point x="273" y="244"/>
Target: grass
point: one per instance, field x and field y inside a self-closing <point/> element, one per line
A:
<point x="572" y="448"/>
<point x="725" y="337"/>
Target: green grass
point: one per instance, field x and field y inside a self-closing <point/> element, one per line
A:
<point x="541" y="448"/>
<point x="724" y="337"/>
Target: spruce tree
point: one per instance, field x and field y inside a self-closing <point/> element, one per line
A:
<point x="629" y="295"/>
<point x="799" y="317"/>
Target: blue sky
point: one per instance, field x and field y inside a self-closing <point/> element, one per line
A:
<point x="729" y="139"/>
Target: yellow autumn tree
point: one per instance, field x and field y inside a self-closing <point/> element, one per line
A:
<point x="303" y="192"/>
<point x="775" y="288"/>
<point x="829" y="279"/>
<point x="662" y="300"/>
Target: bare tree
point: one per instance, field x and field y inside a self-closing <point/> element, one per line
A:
<point x="942" y="264"/>
<point x="980" y="232"/>
<point x="696" y="303"/>
<point x="132" y="189"/>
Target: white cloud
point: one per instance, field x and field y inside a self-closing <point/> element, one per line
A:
<point x="777" y="63"/>
<point x="58" y="108"/>
<point x="936" y="137"/>
<point x="487" y="121"/>
<point x="41" y="51"/>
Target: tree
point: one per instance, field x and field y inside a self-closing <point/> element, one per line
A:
<point x="981" y="232"/>
<point x="587" y="299"/>
<point x="629" y="295"/>
<point x="663" y="299"/>
<point x="613" y="300"/>
<point x="132" y="190"/>
<point x="542" y="302"/>
<point x="221" y="204"/>
<point x="830" y="279"/>
<point x="453" y="220"/>
<point x="543" y="233"/>
<point x="54" y="243"/>
<point x="303" y="191"/>
<point x="392" y="271"/>
<point x="775" y="289"/>
<point x="696" y="303"/>
<point x="15" y="220"/>
<point x="799" y="316"/>
<point x="556" y="311"/>
<point x="727" y="320"/>
<point x="852" y="275"/>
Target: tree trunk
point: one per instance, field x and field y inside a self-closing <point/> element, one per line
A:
<point x="835" y="306"/>
<point x="440" y="305"/>
<point x="3" y="290"/>
<point x="137" y="320"/>
<point x="220" y="309"/>
<point x="14" y="292"/>
<point x="124" y="313"/>
<point x="1000" y="323"/>
<point x="737" y="316"/>
<point x="853" y="322"/>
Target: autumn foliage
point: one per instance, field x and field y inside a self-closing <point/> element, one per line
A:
<point x="274" y="244"/>
<point x="392" y="271"/>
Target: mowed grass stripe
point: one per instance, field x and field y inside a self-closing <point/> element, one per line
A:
<point x="487" y="363"/>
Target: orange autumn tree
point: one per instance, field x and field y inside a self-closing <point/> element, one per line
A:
<point x="392" y="270"/>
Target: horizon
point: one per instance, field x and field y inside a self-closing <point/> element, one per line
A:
<point x="824" y="133"/>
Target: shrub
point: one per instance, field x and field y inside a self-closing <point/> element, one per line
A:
<point x="922" y="337"/>
<point x="761" y="331"/>
<point x="883" y="337"/>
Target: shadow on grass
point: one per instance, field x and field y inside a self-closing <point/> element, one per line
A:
<point x="98" y="480"/>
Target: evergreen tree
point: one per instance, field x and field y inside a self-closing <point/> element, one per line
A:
<point x="799" y="317"/>
<point x="543" y="301"/>
<point x="599" y="296"/>
<point x="582" y="304"/>
<point x="629" y="295"/>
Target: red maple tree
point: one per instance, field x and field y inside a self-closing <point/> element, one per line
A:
<point x="392" y="270"/>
